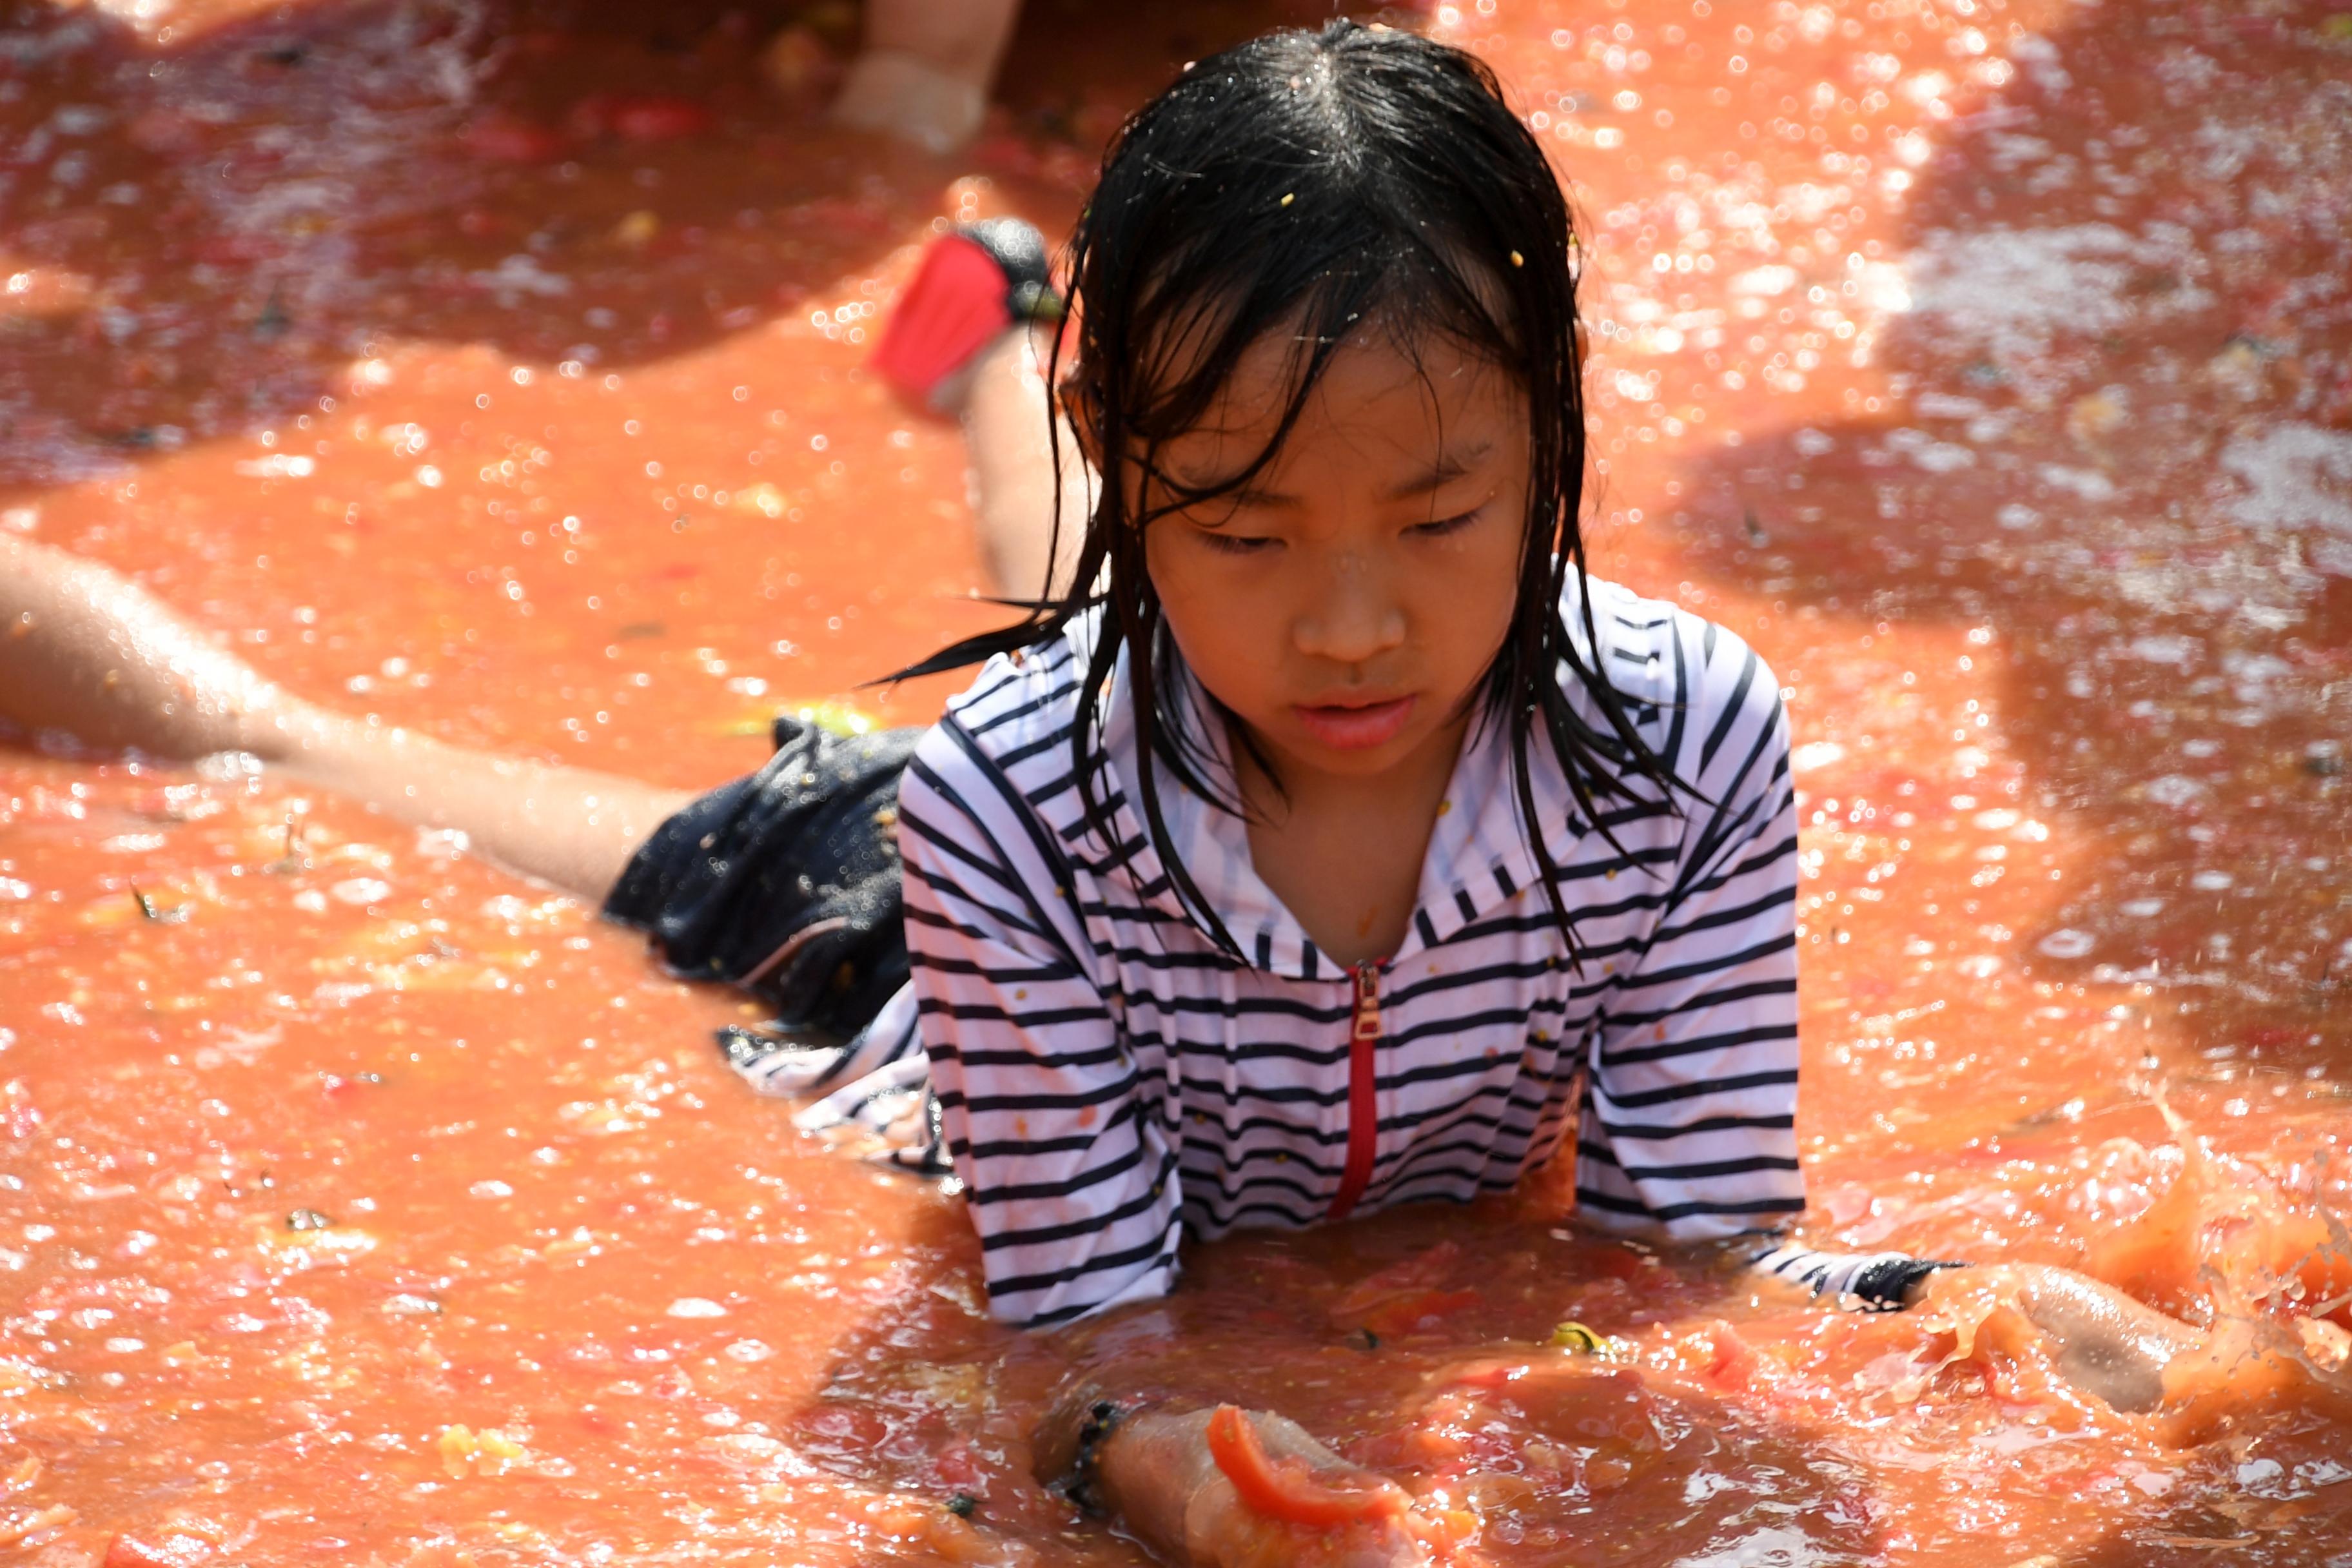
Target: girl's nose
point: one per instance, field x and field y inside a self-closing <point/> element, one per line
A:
<point x="1354" y="620"/>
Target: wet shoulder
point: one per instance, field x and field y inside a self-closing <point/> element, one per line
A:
<point x="1699" y="694"/>
<point x="1008" y="734"/>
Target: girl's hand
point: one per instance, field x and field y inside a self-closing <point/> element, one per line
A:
<point x="2104" y="1341"/>
<point x="1239" y="1489"/>
<point x="87" y="652"/>
<point x="1258" y="1498"/>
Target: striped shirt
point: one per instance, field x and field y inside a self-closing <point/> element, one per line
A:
<point x="1103" y="1081"/>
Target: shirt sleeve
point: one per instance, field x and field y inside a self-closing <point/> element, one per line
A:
<point x="1866" y="1281"/>
<point x="1690" y="1121"/>
<point x="1068" y="1169"/>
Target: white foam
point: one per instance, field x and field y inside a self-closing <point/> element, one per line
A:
<point x="2013" y="290"/>
<point x="2297" y="478"/>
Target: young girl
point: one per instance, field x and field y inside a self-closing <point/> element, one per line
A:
<point x="1322" y="838"/>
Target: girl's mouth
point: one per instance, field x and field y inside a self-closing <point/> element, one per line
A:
<point x="1353" y="728"/>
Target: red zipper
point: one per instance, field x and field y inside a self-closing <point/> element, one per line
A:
<point x="1363" y="1112"/>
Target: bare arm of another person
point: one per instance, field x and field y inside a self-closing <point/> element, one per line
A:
<point x="86" y="652"/>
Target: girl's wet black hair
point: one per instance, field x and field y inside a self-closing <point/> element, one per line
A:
<point x="1313" y="183"/>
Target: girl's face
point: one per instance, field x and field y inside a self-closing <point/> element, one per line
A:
<point x="1345" y="604"/>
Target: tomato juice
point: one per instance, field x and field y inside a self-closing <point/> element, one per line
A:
<point x="495" y="367"/>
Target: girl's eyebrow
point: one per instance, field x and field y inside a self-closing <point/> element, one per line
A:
<point x="1444" y="471"/>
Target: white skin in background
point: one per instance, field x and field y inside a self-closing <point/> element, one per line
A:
<point x="926" y="69"/>
<point x="1344" y="609"/>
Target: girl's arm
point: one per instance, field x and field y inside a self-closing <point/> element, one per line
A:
<point x="1692" y="1128"/>
<point x="2104" y="1341"/>
<point x="86" y="653"/>
<point x="1051" y="1112"/>
<point x="1052" y="1115"/>
<point x="1691" y="1121"/>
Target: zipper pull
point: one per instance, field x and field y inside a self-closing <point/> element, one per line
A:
<point x="1368" y="1001"/>
<point x="1363" y="1088"/>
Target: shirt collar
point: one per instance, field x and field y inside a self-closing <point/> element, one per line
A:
<point x="1478" y="857"/>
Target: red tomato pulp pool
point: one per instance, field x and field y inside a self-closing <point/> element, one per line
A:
<point x="496" y="367"/>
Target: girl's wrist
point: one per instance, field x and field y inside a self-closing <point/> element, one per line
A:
<point x="1070" y="1441"/>
<point x="1082" y="1480"/>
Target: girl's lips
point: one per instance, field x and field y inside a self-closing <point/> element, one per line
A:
<point x="1355" y="728"/>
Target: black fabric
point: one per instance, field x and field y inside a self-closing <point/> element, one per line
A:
<point x="1018" y="251"/>
<point x="1887" y="1287"/>
<point x="786" y="883"/>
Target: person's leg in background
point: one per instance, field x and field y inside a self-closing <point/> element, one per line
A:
<point x="1012" y="492"/>
<point x="972" y="335"/>
<point x="86" y="652"/>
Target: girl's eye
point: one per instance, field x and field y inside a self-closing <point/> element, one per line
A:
<point x="1441" y="527"/>
<point x="1234" y="543"/>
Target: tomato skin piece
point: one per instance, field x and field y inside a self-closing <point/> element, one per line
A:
<point x="1286" y="1488"/>
<point x="659" y="119"/>
<point x="639" y="118"/>
<point x="502" y="139"/>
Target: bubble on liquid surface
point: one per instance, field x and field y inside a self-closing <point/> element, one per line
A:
<point x="2067" y="943"/>
<point x="2171" y="649"/>
<point x="2297" y="478"/>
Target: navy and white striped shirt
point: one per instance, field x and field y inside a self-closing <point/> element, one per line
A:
<point x="1103" y="1080"/>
